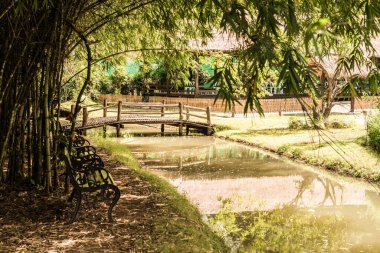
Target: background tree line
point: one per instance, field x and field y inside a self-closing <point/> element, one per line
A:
<point x="45" y="44"/>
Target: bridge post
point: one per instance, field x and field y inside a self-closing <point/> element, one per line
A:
<point x="187" y="119"/>
<point x="105" y="108"/>
<point x="104" y="115"/>
<point x="84" y="120"/>
<point x="180" y="128"/>
<point x="163" y="115"/>
<point x="187" y="113"/>
<point x="118" y="118"/>
<point x="208" y="112"/>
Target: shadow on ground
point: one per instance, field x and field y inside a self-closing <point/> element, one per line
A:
<point x="31" y="222"/>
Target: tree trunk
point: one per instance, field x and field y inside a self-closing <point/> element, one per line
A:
<point x="326" y="110"/>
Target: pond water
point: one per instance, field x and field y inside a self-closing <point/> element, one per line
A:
<point x="260" y="203"/>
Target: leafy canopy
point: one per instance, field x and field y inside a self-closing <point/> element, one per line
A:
<point x="286" y="35"/>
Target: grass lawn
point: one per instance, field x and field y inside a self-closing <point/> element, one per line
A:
<point x="341" y="150"/>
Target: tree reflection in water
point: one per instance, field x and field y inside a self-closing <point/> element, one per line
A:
<point x="290" y="228"/>
<point x="330" y="190"/>
<point x="286" y="229"/>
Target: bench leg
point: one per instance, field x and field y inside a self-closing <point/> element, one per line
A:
<point x="77" y="207"/>
<point x="72" y="195"/>
<point x="114" y="201"/>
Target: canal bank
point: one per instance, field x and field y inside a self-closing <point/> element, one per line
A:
<point x="176" y="225"/>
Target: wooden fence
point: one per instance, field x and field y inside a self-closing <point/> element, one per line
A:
<point x="268" y="104"/>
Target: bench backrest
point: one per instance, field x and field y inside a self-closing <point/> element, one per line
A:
<point x="87" y="177"/>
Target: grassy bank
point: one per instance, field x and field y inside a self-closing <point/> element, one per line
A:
<point x="340" y="150"/>
<point x="182" y="229"/>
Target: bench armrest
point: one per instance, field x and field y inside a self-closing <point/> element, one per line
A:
<point x="93" y="177"/>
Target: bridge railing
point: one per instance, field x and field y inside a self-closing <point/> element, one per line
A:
<point x="184" y="113"/>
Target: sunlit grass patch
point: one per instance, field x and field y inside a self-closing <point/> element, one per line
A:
<point x="342" y="150"/>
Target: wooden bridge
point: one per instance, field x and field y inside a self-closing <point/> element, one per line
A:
<point x="118" y="114"/>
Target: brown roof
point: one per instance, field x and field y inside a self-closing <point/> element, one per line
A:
<point x="376" y="45"/>
<point x="221" y="41"/>
<point x="329" y="64"/>
<point x="329" y="67"/>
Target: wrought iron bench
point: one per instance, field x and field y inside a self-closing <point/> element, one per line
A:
<point x="87" y="174"/>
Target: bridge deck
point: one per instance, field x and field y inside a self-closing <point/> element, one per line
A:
<point x="103" y="121"/>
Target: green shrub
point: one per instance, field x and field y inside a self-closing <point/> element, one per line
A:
<point x="374" y="132"/>
<point x="296" y="153"/>
<point x="221" y="127"/>
<point x="281" y="150"/>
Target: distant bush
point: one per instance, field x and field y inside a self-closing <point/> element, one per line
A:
<point x="221" y="127"/>
<point x="374" y="132"/>
<point x="338" y="123"/>
<point x="332" y="122"/>
<point x="297" y="123"/>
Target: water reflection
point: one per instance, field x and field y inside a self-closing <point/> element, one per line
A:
<point x="214" y="172"/>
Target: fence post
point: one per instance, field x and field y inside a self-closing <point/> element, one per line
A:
<point x="208" y="112"/>
<point x="163" y="115"/>
<point x="84" y="120"/>
<point x="119" y="104"/>
<point x="180" y="128"/>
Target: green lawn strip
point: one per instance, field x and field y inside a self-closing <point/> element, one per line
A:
<point x="186" y="234"/>
<point x="347" y="157"/>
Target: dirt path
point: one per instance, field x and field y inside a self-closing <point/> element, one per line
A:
<point x="30" y="222"/>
